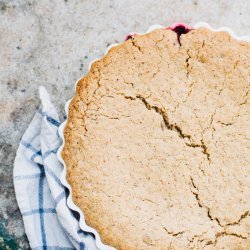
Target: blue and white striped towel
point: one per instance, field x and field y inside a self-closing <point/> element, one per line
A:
<point x="49" y="223"/>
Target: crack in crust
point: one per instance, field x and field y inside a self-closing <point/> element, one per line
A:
<point x="187" y="64"/>
<point x="174" y="127"/>
<point x="196" y="194"/>
<point x="223" y="234"/>
<point x="224" y="227"/>
<point x="172" y="233"/>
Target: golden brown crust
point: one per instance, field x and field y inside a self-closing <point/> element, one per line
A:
<point x="157" y="143"/>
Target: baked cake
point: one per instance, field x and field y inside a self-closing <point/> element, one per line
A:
<point x="157" y="142"/>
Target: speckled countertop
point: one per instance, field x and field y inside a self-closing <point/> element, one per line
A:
<point x="51" y="42"/>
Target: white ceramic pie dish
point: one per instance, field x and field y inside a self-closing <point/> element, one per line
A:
<point x="100" y="245"/>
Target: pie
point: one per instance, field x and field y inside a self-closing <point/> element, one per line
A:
<point x="157" y="142"/>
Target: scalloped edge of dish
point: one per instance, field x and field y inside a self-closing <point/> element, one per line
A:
<point x="82" y="223"/>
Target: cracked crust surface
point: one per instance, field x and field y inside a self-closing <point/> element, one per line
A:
<point x="157" y="143"/>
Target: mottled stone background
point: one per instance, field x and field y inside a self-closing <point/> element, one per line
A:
<point x="51" y="42"/>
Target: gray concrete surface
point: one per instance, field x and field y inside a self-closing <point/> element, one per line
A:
<point x="51" y="42"/>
